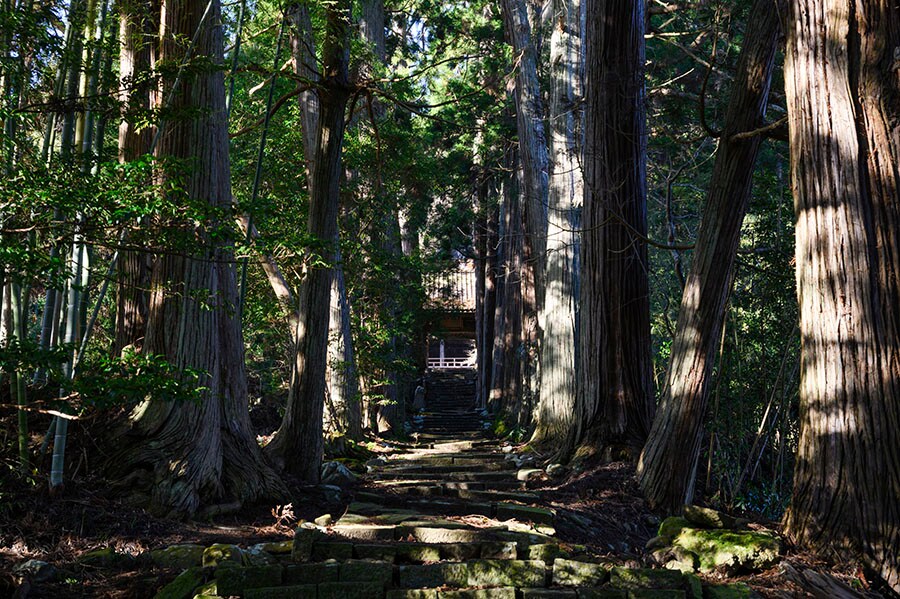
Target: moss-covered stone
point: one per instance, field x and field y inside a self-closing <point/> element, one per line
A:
<point x="350" y="590"/>
<point x="366" y="571"/>
<point x="222" y="554"/>
<point x="645" y="578"/>
<point x="459" y="551"/>
<point x="234" y="581"/>
<point x="418" y="553"/>
<point x="207" y="591"/>
<point x="300" y="591"/>
<point x="500" y="550"/>
<point x="730" y="551"/>
<point x="181" y="557"/>
<point x="694" y="585"/>
<point x="434" y="575"/>
<point x="708" y="517"/>
<point x="299" y="574"/>
<point x="544" y="551"/>
<point x="184" y="586"/>
<point x="107" y="557"/>
<point x="549" y="594"/>
<point x="671" y="527"/>
<point x="279" y="548"/>
<point x="502" y="573"/>
<point x="305" y="539"/>
<point x="572" y="573"/>
<point x="329" y="550"/>
<point x="737" y="590"/>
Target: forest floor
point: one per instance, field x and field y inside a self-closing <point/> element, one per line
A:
<point x="598" y="507"/>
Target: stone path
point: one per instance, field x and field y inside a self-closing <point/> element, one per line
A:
<point x="447" y="517"/>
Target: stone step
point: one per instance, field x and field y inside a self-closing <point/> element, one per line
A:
<point x="448" y="475"/>
<point x="439" y="490"/>
<point x="498" y="485"/>
<point x="475" y="468"/>
<point x="454" y="506"/>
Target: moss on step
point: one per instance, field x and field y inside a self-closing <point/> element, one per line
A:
<point x="235" y="580"/>
<point x="730" y="551"/>
<point x="572" y="573"/>
<point x="645" y="578"/>
<point x="178" y="556"/>
<point x="184" y="585"/>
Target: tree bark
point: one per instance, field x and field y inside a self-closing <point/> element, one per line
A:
<point x="844" y="108"/>
<point x="553" y="416"/>
<point x="298" y="443"/>
<point x="197" y="454"/>
<point x="669" y="461"/>
<point x="614" y="399"/>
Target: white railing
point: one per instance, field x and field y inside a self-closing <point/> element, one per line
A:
<point x="450" y="363"/>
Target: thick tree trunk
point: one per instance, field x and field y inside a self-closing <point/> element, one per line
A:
<point x="844" y="105"/>
<point x="667" y="466"/>
<point x="135" y="35"/>
<point x="486" y="293"/>
<point x="197" y="454"/>
<point x="553" y="417"/>
<point x="298" y="444"/>
<point x="614" y="400"/>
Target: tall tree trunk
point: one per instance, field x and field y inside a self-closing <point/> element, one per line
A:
<point x="668" y="464"/>
<point x="135" y="35"/>
<point x="553" y="417"/>
<point x="519" y="19"/>
<point x="844" y="105"/>
<point x="298" y="444"/>
<point x="199" y="453"/>
<point x="614" y="401"/>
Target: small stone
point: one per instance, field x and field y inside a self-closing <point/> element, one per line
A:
<point x="645" y="578"/>
<point x="311" y="573"/>
<point x="366" y="571"/>
<point x="183" y="586"/>
<point x="329" y="550"/>
<point x="350" y="590"/>
<point x="302" y="591"/>
<point x="556" y="470"/>
<point x="335" y="473"/>
<point x="324" y="520"/>
<point x="181" y="557"/>
<point x="35" y="570"/>
<point x="222" y="554"/>
<point x="708" y="518"/>
<point x="500" y="550"/>
<point x="526" y="474"/>
<point x="234" y="581"/>
<point x="571" y="573"/>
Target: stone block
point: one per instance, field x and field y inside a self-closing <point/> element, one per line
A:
<point x="298" y="591"/>
<point x="304" y="540"/>
<point x="311" y="573"/>
<point x="418" y="553"/>
<point x="496" y="593"/>
<point x="381" y="552"/>
<point x="365" y="532"/>
<point x="434" y="575"/>
<point x="503" y="573"/>
<point x="428" y="534"/>
<point x="279" y="548"/>
<point x="571" y="573"/>
<point x="459" y="552"/>
<point x="596" y="593"/>
<point x="183" y="586"/>
<point x="646" y="578"/>
<point x="500" y="550"/>
<point x="525" y="513"/>
<point x="234" y="581"/>
<point x="366" y="571"/>
<point x="332" y="550"/>
<point x="730" y="551"/>
<point x="222" y="554"/>
<point x="547" y="552"/>
<point x="350" y="590"/>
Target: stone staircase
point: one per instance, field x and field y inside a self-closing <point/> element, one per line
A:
<point x="446" y="517"/>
